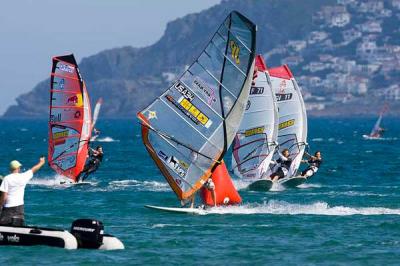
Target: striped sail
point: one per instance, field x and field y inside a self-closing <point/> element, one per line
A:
<point x="70" y="118"/>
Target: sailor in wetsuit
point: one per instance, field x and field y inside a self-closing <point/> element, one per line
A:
<point x="95" y="159"/>
<point x="314" y="163"/>
<point x="284" y="162"/>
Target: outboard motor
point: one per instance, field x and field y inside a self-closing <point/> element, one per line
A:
<point x="89" y="233"/>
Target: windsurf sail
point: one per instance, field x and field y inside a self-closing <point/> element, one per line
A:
<point x="188" y="129"/>
<point x="96" y="111"/>
<point x="256" y="140"/>
<point x="377" y="130"/>
<point x="292" y="128"/>
<point x="70" y="121"/>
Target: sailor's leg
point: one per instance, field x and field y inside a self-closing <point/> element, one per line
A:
<point x="192" y="201"/>
<point x="84" y="171"/>
<point x="91" y="169"/>
<point x="307" y="173"/>
<point x="214" y="197"/>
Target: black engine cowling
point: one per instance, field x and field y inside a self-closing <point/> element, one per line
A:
<point x="89" y="233"/>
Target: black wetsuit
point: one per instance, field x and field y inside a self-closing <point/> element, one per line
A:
<point x="283" y="164"/>
<point x="314" y="165"/>
<point x="91" y="166"/>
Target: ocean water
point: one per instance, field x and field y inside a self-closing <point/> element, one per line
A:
<point x="348" y="213"/>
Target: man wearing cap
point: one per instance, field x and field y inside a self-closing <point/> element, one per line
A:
<point x="12" y="193"/>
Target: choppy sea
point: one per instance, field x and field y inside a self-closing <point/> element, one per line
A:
<point x="349" y="213"/>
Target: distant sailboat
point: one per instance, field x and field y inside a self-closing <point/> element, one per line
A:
<point x="377" y="131"/>
<point x="96" y="113"/>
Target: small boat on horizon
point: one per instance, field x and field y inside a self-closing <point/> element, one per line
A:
<point x="377" y="131"/>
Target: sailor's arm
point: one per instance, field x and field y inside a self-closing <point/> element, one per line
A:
<point x="283" y="158"/>
<point x="39" y="165"/>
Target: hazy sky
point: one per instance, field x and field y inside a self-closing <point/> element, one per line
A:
<point x="32" y="31"/>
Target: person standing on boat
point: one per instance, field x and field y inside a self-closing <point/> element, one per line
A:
<point x="95" y="159"/>
<point x="284" y="162"/>
<point x="314" y="163"/>
<point x="12" y="193"/>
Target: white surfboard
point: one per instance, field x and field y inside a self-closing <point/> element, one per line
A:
<point x="177" y="210"/>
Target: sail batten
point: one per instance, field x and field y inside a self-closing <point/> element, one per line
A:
<point x="188" y="128"/>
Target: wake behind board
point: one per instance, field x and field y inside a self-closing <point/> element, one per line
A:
<point x="69" y="183"/>
<point x="293" y="181"/>
<point x="368" y="137"/>
<point x="261" y="185"/>
<point x="177" y="210"/>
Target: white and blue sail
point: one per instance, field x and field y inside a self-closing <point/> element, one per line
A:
<point x="188" y="129"/>
<point x="256" y="140"/>
<point x="292" y="128"/>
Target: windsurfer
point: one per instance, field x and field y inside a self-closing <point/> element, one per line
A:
<point x="95" y="159"/>
<point x="96" y="132"/>
<point x="209" y="185"/>
<point x="284" y="162"/>
<point x="12" y="193"/>
<point x="314" y="163"/>
<point x="378" y="133"/>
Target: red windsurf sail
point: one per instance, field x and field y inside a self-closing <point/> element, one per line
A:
<point x="70" y="118"/>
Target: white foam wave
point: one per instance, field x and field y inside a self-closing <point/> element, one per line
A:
<point x="276" y="187"/>
<point x="106" y="139"/>
<point x="285" y="208"/>
<point x="306" y="185"/>
<point x="57" y="181"/>
<point x="380" y="139"/>
<point x="317" y="139"/>
<point x="139" y="185"/>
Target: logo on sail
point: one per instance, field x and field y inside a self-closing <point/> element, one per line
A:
<point x="59" y="137"/>
<point x="205" y="90"/>
<point x="235" y="51"/>
<point x="55" y="118"/>
<point x="152" y="115"/>
<point x="184" y="91"/>
<point x="286" y="124"/>
<point x="254" y="131"/>
<point x="173" y="163"/>
<point x="75" y="100"/>
<point x="256" y="90"/>
<point x="190" y="110"/>
<point x="61" y="84"/>
<point x="66" y="68"/>
<point x="283" y="96"/>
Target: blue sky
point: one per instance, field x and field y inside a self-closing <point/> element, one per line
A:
<point x="32" y="31"/>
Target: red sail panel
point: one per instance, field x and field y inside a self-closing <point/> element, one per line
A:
<point x="69" y="121"/>
<point x="225" y="191"/>
<point x="280" y="72"/>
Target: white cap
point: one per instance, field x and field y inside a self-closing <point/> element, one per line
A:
<point x="14" y="165"/>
